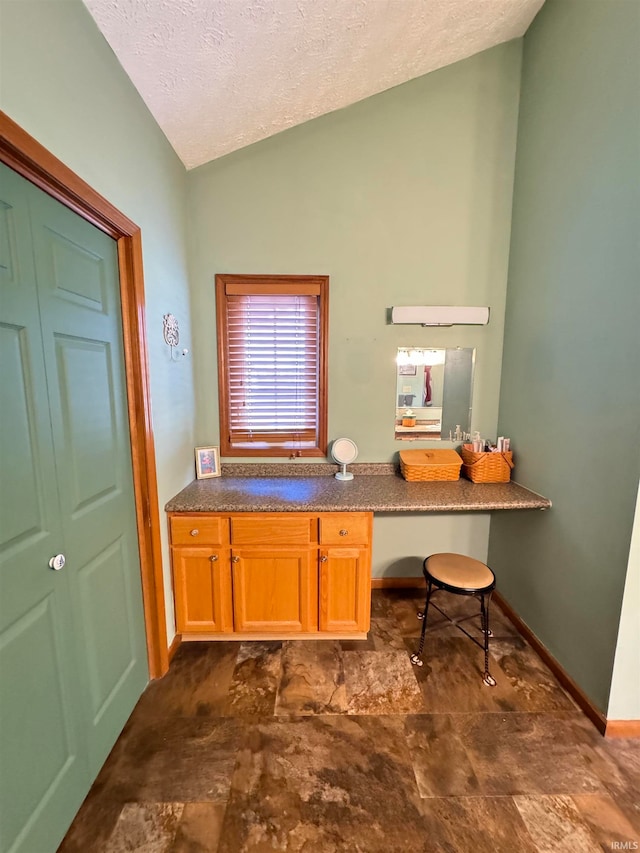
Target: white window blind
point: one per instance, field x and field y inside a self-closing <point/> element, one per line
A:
<point x="272" y="343"/>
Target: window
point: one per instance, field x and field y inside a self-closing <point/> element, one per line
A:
<point x="272" y="364"/>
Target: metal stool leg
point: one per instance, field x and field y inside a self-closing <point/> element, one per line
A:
<point x="487" y="677"/>
<point x="416" y="656"/>
<point x="489" y="632"/>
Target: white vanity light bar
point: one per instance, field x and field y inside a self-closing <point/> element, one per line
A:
<point x="440" y="315"/>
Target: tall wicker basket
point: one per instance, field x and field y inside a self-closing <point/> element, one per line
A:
<point x="486" y="467"/>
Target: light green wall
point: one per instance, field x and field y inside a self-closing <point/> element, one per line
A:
<point x="60" y="81"/>
<point x="402" y="199"/>
<point x="570" y="395"/>
<point x="402" y="541"/>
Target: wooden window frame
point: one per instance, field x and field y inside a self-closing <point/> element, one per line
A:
<point x="269" y="283"/>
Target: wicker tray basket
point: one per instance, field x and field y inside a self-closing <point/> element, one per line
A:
<point x="422" y="466"/>
<point x="486" y="467"/>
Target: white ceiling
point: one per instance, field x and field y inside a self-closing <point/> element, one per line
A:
<point x="220" y="74"/>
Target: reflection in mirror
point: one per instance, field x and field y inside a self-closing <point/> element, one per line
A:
<point x="433" y="393"/>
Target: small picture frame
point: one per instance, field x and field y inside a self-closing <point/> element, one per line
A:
<point x="407" y="370"/>
<point x="207" y="462"/>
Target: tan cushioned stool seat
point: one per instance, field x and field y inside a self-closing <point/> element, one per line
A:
<point x="458" y="570"/>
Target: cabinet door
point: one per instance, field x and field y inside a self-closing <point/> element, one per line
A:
<point x="202" y="589"/>
<point x="345" y="589"/>
<point x="275" y="590"/>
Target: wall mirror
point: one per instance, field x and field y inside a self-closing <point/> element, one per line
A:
<point x="434" y="389"/>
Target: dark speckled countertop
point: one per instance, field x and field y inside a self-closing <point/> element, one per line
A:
<point x="302" y="487"/>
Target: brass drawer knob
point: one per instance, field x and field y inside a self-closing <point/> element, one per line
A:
<point x="213" y="558"/>
<point x="195" y="532"/>
<point x="323" y="559"/>
<point x="343" y="532"/>
<point x="235" y="559"/>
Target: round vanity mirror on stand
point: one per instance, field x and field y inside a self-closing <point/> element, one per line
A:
<point x="344" y="452"/>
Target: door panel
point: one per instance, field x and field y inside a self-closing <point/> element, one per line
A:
<point x="38" y="724"/>
<point x="85" y="377"/>
<point x="78" y="293"/>
<point x="22" y="516"/>
<point x="78" y="274"/>
<point x="88" y="413"/>
<point x="44" y="774"/>
<point x="27" y="470"/>
<point x="41" y="746"/>
<point x="8" y="247"/>
<point x="103" y="592"/>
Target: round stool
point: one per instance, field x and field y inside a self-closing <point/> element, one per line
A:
<point x="462" y="576"/>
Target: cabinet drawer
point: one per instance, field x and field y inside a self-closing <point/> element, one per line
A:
<point x="345" y="528"/>
<point x="199" y="530"/>
<point x="273" y="530"/>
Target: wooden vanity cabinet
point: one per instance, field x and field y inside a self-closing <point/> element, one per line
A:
<point x="271" y="574"/>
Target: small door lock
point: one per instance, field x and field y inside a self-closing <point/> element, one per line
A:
<point x="56" y="563"/>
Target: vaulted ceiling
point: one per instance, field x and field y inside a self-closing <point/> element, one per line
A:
<point x="220" y="74"/>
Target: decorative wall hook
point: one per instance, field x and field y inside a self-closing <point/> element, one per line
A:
<point x="171" y="332"/>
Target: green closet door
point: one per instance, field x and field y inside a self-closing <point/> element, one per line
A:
<point x="78" y="293"/>
<point x="43" y="766"/>
<point x="72" y="645"/>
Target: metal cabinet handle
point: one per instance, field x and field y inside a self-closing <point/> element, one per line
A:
<point x="323" y="559"/>
<point x="213" y="558"/>
<point x="343" y="532"/>
<point x="56" y="563"/>
<point x="235" y="559"/>
<point x="195" y="532"/>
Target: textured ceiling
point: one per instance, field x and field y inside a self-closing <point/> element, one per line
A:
<point x="220" y="74"/>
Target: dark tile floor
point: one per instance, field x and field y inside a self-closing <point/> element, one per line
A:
<point x="322" y="746"/>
